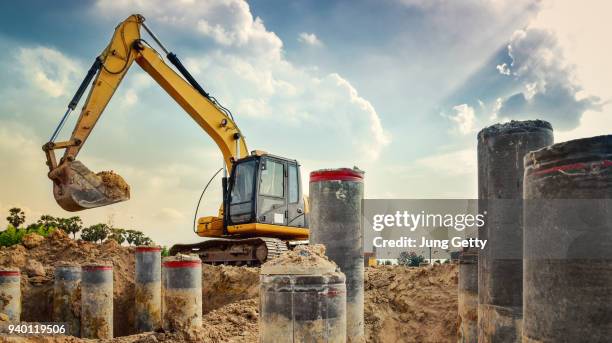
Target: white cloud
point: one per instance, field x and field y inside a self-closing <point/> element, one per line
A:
<point x="551" y="89"/>
<point x="464" y="118"/>
<point x="247" y="71"/>
<point x="130" y="98"/>
<point x="592" y="123"/>
<point x="454" y="163"/>
<point x="377" y="135"/>
<point x="135" y="83"/>
<point x="580" y="30"/>
<point x="48" y="70"/>
<point x="309" y="38"/>
<point x="227" y="22"/>
<point x="503" y="69"/>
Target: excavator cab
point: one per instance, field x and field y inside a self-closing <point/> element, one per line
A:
<point x="265" y="189"/>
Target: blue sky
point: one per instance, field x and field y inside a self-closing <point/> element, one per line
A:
<point x="396" y="87"/>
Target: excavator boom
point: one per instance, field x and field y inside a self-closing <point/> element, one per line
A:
<point x="263" y="205"/>
<point x="75" y="186"/>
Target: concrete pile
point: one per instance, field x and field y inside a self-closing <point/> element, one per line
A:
<point x="397" y="299"/>
<point x="548" y="212"/>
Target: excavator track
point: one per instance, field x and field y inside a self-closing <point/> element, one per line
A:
<point x="252" y="251"/>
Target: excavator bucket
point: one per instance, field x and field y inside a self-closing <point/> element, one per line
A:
<point x="77" y="188"/>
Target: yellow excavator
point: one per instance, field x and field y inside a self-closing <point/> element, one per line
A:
<point x="263" y="207"/>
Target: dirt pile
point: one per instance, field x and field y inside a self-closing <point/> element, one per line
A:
<point x="411" y="304"/>
<point x="304" y="259"/>
<point x="32" y="240"/>
<point x="223" y="285"/>
<point x="38" y="264"/>
<point x="401" y="304"/>
<point x="234" y="323"/>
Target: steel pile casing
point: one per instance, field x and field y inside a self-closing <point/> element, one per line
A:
<point x="66" y="297"/>
<point x="302" y="308"/>
<point x="501" y="149"/>
<point x="568" y="242"/>
<point x="10" y="293"/>
<point x="468" y="297"/>
<point x="336" y="221"/>
<point x="97" y="301"/>
<point x="182" y="292"/>
<point x="148" y="289"/>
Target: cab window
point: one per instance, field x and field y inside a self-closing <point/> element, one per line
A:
<point x="242" y="191"/>
<point x="293" y="184"/>
<point x="272" y="179"/>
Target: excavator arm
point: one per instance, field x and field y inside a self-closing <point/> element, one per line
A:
<point x="75" y="186"/>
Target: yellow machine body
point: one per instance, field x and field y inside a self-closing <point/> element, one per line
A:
<point x="77" y="188"/>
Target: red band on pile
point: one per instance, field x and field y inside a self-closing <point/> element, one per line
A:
<point x="333" y="294"/>
<point x="146" y="249"/>
<point x="88" y="268"/>
<point x="9" y="273"/>
<point x="336" y="175"/>
<point x="574" y="166"/>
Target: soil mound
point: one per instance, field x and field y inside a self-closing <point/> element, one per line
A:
<point x="223" y="285"/>
<point x="411" y="304"/>
<point x="401" y="304"/>
<point x="304" y="259"/>
<point x="37" y="289"/>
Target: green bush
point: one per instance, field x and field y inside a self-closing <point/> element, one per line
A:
<point x="165" y="252"/>
<point x="12" y="236"/>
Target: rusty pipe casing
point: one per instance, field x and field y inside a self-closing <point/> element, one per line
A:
<point x="97" y="300"/>
<point x="67" y="297"/>
<point x="568" y="242"/>
<point x="182" y="299"/>
<point x="501" y="149"/>
<point x="335" y="220"/>
<point x="10" y="293"/>
<point x="148" y="289"/>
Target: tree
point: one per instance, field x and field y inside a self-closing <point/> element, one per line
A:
<point x="71" y="225"/>
<point x="96" y="233"/>
<point x="410" y="259"/>
<point x="130" y="235"/>
<point x="137" y="238"/>
<point x="48" y="221"/>
<point x="88" y="234"/>
<point x="143" y="240"/>
<point x="16" y="217"/>
<point x="117" y="235"/>
<point x="404" y="258"/>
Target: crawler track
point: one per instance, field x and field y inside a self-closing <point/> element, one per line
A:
<point x="245" y="251"/>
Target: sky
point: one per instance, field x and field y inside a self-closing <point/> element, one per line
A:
<point x="399" y="88"/>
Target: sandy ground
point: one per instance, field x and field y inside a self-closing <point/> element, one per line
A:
<point x="401" y="304"/>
